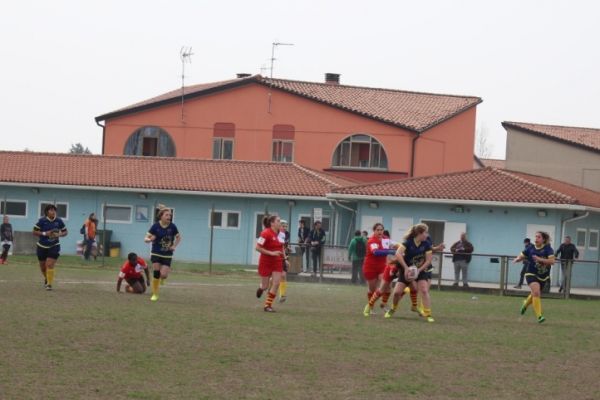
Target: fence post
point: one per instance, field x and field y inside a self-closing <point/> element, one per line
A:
<point x="440" y="264"/>
<point x="503" y="274"/>
<point x="321" y="252"/>
<point x="567" y="279"/>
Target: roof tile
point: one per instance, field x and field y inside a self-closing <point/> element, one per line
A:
<point x="586" y="137"/>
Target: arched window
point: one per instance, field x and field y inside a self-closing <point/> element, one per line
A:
<point x="360" y="151"/>
<point x="150" y="141"/>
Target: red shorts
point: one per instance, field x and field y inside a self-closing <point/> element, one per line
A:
<point x="371" y="272"/>
<point x="267" y="269"/>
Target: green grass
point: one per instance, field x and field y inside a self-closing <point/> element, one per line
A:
<point x="208" y="338"/>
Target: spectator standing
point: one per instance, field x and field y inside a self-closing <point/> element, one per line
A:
<point x="566" y="253"/>
<point x="461" y="257"/>
<point x="89" y="235"/>
<point x="356" y="253"/>
<point x="303" y="241"/>
<point x="6" y="239"/>
<point x="317" y="240"/>
<point x="527" y="244"/>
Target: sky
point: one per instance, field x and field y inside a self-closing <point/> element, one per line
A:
<point x="64" y="62"/>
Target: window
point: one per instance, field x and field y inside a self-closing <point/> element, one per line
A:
<point x="283" y="151"/>
<point x="593" y="239"/>
<point x="61" y="209"/>
<point x="118" y="214"/>
<point x="14" y="208"/>
<point x="580" y="238"/>
<point x="360" y="151"/>
<point x="225" y="219"/>
<point x="150" y="141"/>
<point x="222" y="149"/>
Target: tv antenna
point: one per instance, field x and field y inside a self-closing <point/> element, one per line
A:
<point x="185" y="54"/>
<point x="274" y="45"/>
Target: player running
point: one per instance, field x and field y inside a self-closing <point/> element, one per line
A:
<point x="131" y="272"/>
<point x="540" y="258"/>
<point x="270" y="262"/>
<point x="374" y="265"/>
<point x="49" y="229"/>
<point x="165" y="237"/>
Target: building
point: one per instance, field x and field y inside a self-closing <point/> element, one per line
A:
<point x="496" y="208"/>
<point x="361" y="133"/>
<point x="124" y="192"/>
<point x="565" y="153"/>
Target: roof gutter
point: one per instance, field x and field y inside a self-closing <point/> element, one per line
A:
<point x="165" y="191"/>
<point x="103" y="133"/>
<point x="552" y="206"/>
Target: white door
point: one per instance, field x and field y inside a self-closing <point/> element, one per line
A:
<point x="367" y="222"/>
<point x="399" y="227"/>
<point x="452" y="231"/>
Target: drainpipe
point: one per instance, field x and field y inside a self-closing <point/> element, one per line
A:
<point x="412" y="157"/>
<point x="103" y="134"/>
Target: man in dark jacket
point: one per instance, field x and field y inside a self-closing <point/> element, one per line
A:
<point x="461" y="257"/>
<point x="303" y="232"/>
<point x="526" y="245"/>
<point x="317" y="240"/>
<point x="566" y="252"/>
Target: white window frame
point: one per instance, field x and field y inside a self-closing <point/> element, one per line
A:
<point x="56" y="203"/>
<point x="221" y="147"/>
<point x="16" y="201"/>
<point x="281" y="150"/>
<point x="111" y="221"/>
<point x="224" y="214"/>
<point x="589" y="237"/>
<point x="585" y="238"/>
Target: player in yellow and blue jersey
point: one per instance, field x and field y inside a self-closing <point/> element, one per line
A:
<point x="49" y="229"/>
<point x="540" y="258"/>
<point x="164" y="237"/>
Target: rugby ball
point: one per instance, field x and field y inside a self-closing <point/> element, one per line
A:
<point x="412" y="272"/>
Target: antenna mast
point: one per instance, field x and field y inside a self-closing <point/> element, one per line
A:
<point x="185" y="54"/>
<point x="273" y="46"/>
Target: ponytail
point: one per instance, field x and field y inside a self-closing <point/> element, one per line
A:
<point x="415" y="230"/>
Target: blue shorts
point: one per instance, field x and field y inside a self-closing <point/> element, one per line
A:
<point x="166" y="261"/>
<point x="424" y="276"/>
<point x="44" y="253"/>
<point x="534" y="278"/>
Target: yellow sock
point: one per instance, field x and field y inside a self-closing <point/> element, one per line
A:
<point x="426" y="312"/>
<point x="282" y="288"/>
<point x="528" y="301"/>
<point x="394" y="306"/>
<point x="537" y="306"/>
<point x="50" y="276"/>
<point x="155" y="285"/>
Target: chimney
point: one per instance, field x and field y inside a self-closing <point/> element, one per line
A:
<point x="332" y="79"/>
<point x="243" y="75"/>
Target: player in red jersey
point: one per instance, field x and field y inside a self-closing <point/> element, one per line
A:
<point x="270" y="262"/>
<point x="374" y="264"/>
<point x="131" y="272"/>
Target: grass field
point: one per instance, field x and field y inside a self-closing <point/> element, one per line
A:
<point x="208" y="338"/>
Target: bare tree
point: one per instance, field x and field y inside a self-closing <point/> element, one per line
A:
<point x="78" y="148"/>
<point x="483" y="147"/>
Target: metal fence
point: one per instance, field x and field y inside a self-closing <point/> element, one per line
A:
<point x="485" y="271"/>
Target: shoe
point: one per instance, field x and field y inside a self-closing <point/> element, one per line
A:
<point x="154" y="297"/>
<point x="367" y="310"/>
<point x="259" y="292"/>
<point x="382" y="305"/>
<point x="282" y="299"/>
<point x="560" y="290"/>
<point x="414" y="309"/>
<point x="389" y="313"/>
<point x="430" y="319"/>
<point x="541" y="319"/>
<point x="269" y="309"/>
<point x="523" y="308"/>
<point x="48" y="287"/>
<point x="455" y="284"/>
<point x="466" y="285"/>
<point x="517" y="287"/>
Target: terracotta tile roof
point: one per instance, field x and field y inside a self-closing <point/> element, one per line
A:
<point x="248" y="177"/>
<point x="490" y="162"/>
<point x="414" y="111"/>
<point x="584" y="137"/>
<point x="486" y="185"/>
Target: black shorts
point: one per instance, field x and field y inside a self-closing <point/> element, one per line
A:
<point x="133" y="281"/>
<point x="161" y="260"/>
<point x="45" y="253"/>
<point x="534" y="278"/>
<point x="424" y="276"/>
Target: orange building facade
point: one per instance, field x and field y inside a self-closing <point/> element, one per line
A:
<point x="254" y="118"/>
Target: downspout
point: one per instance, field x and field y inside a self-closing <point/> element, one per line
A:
<point x="103" y="134"/>
<point x="412" y="157"/>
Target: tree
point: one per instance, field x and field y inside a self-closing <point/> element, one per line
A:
<point x="78" y="148"/>
<point x="483" y="147"/>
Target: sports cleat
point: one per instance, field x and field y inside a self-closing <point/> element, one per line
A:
<point x="430" y="319"/>
<point x="414" y="309"/>
<point x="282" y="299"/>
<point x="382" y="305"/>
<point x="523" y="308"/>
<point x="48" y="287"/>
<point x="269" y="309"/>
<point x="367" y="310"/>
<point x="541" y="319"/>
<point x="154" y="297"/>
<point x="389" y="313"/>
<point x="259" y="292"/>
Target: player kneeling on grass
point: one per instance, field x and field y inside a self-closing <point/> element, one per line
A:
<point x="131" y="271"/>
<point x="270" y="262"/>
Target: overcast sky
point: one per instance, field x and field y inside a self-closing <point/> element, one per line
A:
<point x="65" y="62"/>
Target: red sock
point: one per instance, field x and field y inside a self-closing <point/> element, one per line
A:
<point x="374" y="298"/>
<point x="413" y="297"/>
<point x="369" y="295"/>
<point x="269" y="300"/>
